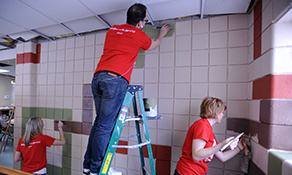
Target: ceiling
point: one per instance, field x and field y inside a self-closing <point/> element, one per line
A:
<point x="48" y="20"/>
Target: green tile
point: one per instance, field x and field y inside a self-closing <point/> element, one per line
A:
<point x="67" y="114"/>
<point x="140" y="61"/>
<point x="25" y="112"/>
<point x="50" y="169"/>
<point x="67" y="149"/>
<point x="42" y="112"/>
<point x="153" y="33"/>
<point x="66" y="171"/>
<point x="58" y="114"/>
<point x="57" y="170"/>
<point x="275" y="161"/>
<point x="50" y="113"/>
<point x="66" y="162"/>
<point x="33" y="112"/>
<point x="68" y="137"/>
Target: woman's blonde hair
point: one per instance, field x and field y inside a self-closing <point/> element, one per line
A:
<point x="34" y="125"/>
<point x="211" y="107"/>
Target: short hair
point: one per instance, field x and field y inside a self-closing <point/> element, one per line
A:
<point x="34" y="125"/>
<point x="136" y="13"/>
<point x="211" y="107"/>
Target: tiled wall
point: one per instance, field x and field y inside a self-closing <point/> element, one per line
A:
<point x="208" y="57"/>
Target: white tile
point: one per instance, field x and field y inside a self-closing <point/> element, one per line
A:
<point x="89" y="52"/>
<point x="76" y="164"/>
<point x="238" y="73"/>
<point x="121" y="160"/>
<point x="199" y="74"/>
<point x="70" y="43"/>
<point x="133" y="162"/>
<point x="254" y="110"/>
<point x="182" y="75"/>
<point x="150" y="90"/>
<point x="151" y="75"/>
<point x="87" y="77"/>
<point x="59" y="91"/>
<point x="282" y="34"/>
<point x="200" y="41"/>
<point x="166" y="59"/>
<point x="151" y="60"/>
<point x="195" y="107"/>
<point x="218" y="23"/>
<point x="200" y="57"/>
<point x="237" y="91"/>
<point x="183" y="58"/>
<point x="199" y="90"/>
<point x="100" y="37"/>
<point x="52" y="46"/>
<point x="51" y="79"/>
<point x="60" y="79"/>
<point x="238" y="55"/>
<point x="238" y="22"/>
<point x="44" y="57"/>
<point x="165" y="123"/>
<point x="218" y="90"/>
<point x="237" y="109"/>
<point x="60" y="66"/>
<point x="80" y="41"/>
<point x="61" y="44"/>
<point x="280" y="8"/>
<point x="89" y="40"/>
<point x="166" y="75"/>
<point x="79" y="53"/>
<point x="89" y="65"/>
<point x="181" y="123"/>
<point x="260" y="156"/>
<point x="58" y="160"/>
<point x="77" y="90"/>
<point x="183" y="28"/>
<point x="69" y="55"/>
<point x="52" y="57"/>
<point x="137" y="76"/>
<point x="183" y="43"/>
<point x="176" y="153"/>
<point x="218" y="57"/>
<point x="76" y="152"/>
<point x="60" y="55"/>
<point x="178" y="138"/>
<point x="282" y="61"/>
<point x="98" y="51"/>
<point x="167" y="45"/>
<point x="164" y="137"/>
<point x="267" y="16"/>
<point x="238" y="38"/>
<point x="68" y="90"/>
<point x="182" y="91"/>
<point x="218" y="40"/>
<point x="69" y="65"/>
<point x="52" y="67"/>
<point x="165" y="91"/>
<point x="30" y="47"/>
<point x="217" y="73"/>
<point x="200" y="26"/>
<point x="58" y="150"/>
<point x="165" y="106"/>
<point x="268" y="39"/>
<point x="20" y="48"/>
<point x="181" y="107"/>
<point x="78" y="65"/>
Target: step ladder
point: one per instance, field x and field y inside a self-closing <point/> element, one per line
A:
<point x="121" y="120"/>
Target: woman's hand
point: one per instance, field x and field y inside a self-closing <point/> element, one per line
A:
<point x="164" y="29"/>
<point x="60" y="124"/>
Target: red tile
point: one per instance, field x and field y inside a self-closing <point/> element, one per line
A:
<point x="19" y="59"/>
<point x="163" y="152"/>
<point x="162" y="167"/>
<point x="86" y="128"/>
<point x="257" y="9"/>
<point x="122" y="150"/>
<point x="257" y="48"/>
<point x="77" y="127"/>
<point x="145" y="151"/>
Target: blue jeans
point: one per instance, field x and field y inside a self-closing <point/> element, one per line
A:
<point x="108" y="92"/>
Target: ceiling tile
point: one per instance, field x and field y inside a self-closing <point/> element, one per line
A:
<point x="8" y="27"/>
<point x="86" y="25"/>
<point x="226" y="6"/>
<point x="26" y="35"/>
<point x="23" y="15"/>
<point x="61" y="11"/>
<point x="116" y="18"/>
<point x="53" y="30"/>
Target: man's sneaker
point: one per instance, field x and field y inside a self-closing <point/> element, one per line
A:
<point x="86" y="171"/>
<point x="114" y="172"/>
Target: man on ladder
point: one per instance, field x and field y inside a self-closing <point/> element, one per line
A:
<point x="111" y="78"/>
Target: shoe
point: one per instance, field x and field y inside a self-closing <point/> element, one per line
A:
<point x="114" y="172"/>
<point x="86" y="171"/>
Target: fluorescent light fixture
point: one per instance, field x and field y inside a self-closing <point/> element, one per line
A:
<point x="3" y="70"/>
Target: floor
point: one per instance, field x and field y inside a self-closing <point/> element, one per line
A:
<point x="6" y="157"/>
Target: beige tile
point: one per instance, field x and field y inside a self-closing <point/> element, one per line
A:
<point x="199" y="90"/>
<point x="164" y="137"/>
<point x="181" y="107"/>
<point x="166" y="59"/>
<point x="182" y="90"/>
<point x="238" y="73"/>
<point x="183" y="43"/>
<point x="200" y="41"/>
<point x="166" y="75"/>
<point x="238" y="55"/>
<point x="218" y="57"/>
<point x="182" y="75"/>
<point x="218" y="40"/>
<point x="178" y="138"/>
<point x="165" y="91"/>
<point x="218" y="90"/>
<point x="151" y="75"/>
<point x="150" y="90"/>
<point x="199" y="74"/>
<point x="200" y="26"/>
<point x="183" y="28"/>
<point x="217" y="74"/>
<point x="183" y="58"/>
<point x="238" y="22"/>
<point x="165" y="122"/>
<point x="218" y="23"/>
<point x="181" y="123"/>
<point x="237" y="91"/>
<point x="151" y="60"/>
<point x="167" y="45"/>
<point x="238" y="38"/>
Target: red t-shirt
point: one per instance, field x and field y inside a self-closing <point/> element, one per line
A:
<point x="201" y="129"/>
<point x="121" y="48"/>
<point x="34" y="155"/>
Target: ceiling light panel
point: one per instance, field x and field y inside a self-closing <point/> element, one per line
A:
<point x="53" y="30"/>
<point x="86" y="25"/>
<point x="174" y="9"/>
<point x="61" y="11"/>
<point x="23" y="15"/>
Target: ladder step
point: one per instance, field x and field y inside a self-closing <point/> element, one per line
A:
<point x="132" y="146"/>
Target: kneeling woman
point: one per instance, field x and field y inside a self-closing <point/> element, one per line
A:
<point x="200" y="144"/>
<point x="31" y="148"/>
